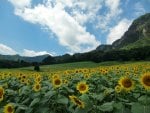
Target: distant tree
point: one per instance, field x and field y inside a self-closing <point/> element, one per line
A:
<point x="36" y="66"/>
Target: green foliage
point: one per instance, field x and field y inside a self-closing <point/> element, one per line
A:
<point x="140" y="43"/>
<point x="100" y="98"/>
<point x="140" y="108"/>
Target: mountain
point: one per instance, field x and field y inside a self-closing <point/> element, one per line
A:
<point x="104" y="47"/>
<point x="35" y="59"/>
<point x="137" y="35"/>
<point x="10" y="57"/>
<point x="26" y="59"/>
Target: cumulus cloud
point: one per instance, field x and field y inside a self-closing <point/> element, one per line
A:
<point x="6" y="50"/>
<point x="67" y="19"/>
<point x="117" y="31"/>
<point x="67" y="26"/>
<point x="113" y="6"/>
<point x="20" y="3"/>
<point x="86" y="10"/>
<point x="32" y="53"/>
<point x="114" y="10"/>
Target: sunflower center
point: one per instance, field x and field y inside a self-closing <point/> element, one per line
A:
<point x="1" y="93"/>
<point x="82" y="87"/>
<point x="9" y="109"/>
<point x="37" y="86"/>
<point x="127" y="83"/>
<point x="146" y="81"/>
<point x="77" y="101"/>
<point x="57" y="82"/>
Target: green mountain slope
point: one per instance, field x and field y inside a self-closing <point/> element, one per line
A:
<point x="26" y="59"/>
<point x="137" y="35"/>
<point x="139" y="43"/>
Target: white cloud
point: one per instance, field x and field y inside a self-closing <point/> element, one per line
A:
<point x="20" y="3"/>
<point x="67" y="19"/>
<point x="114" y="10"/>
<point x="5" y="50"/>
<point x="86" y="10"/>
<point x="139" y="9"/>
<point x="113" y="6"/>
<point x="117" y="31"/>
<point x="68" y="29"/>
<point x="32" y="53"/>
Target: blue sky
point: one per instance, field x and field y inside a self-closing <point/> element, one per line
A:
<point x="56" y="27"/>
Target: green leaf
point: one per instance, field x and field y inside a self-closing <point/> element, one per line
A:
<point x="25" y="90"/>
<point x="98" y="97"/>
<point x="87" y="101"/>
<point x="139" y="108"/>
<point x="119" y="108"/>
<point x="110" y="90"/>
<point x="69" y="90"/>
<point x="62" y="99"/>
<point x="26" y="100"/>
<point x="10" y="92"/>
<point x="35" y="101"/>
<point x="1" y="110"/>
<point x="29" y="110"/>
<point x="118" y="105"/>
<point x="44" y="100"/>
<point x="21" y="108"/>
<point x="144" y="100"/>
<point x="71" y="108"/>
<point x="42" y="109"/>
<point x="106" y="107"/>
<point x="136" y="95"/>
<point x="80" y="110"/>
<point x="49" y="94"/>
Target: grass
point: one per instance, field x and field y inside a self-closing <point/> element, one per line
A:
<point x="69" y="66"/>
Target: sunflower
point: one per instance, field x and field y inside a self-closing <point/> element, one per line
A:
<point x="37" y="87"/>
<point x="65" y="81"/>
<point x="106" y="92"/>
<point x="82" y="87"/>
<point x="118" y="88"/>
<point x="126" y="83"/>
<point x="87" y="75"/>
<point x="77" y="101"/>
<point x="145" y="80"/>
<point x="55" y="76"/>
<point x="1" y="98"/>
<point x="9" y="108"/>
<point x="57" y="82"/>
<point x="1" y="93"/>
<point x="38" y="79"/>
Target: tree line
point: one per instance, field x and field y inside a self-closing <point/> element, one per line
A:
<point x="97" y="56"/>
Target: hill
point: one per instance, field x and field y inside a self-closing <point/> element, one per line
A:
<point x="139" y="30"/>
<point x="138" y="35"/>
<point x="20" y="58"/>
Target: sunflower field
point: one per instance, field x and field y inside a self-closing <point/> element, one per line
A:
<point x="105" y="89"/>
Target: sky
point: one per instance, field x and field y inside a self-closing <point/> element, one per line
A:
<point x="57" y="27"/>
